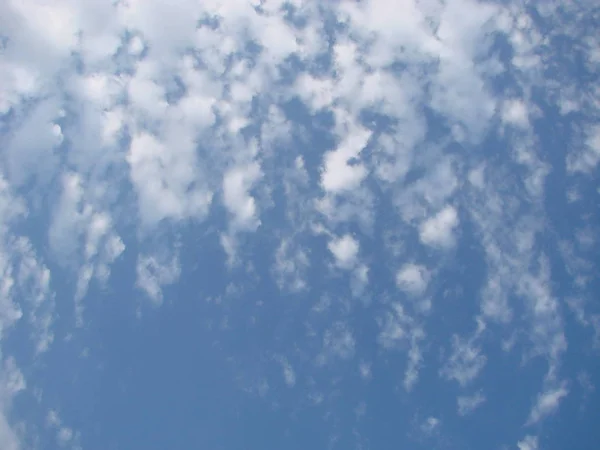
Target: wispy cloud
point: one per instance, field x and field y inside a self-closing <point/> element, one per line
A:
<point x="468" y="403"/>
<point x="547" y="402"/>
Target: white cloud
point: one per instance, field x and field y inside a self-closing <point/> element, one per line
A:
<point x="465" y="362"/>
<point x="365" y="371"/>
<point x="515" y="113"/>
<point x="289" y="375"/>
<point x="415" y="358"/>
<point x="340" y="172"/>
<point x="547" y="403"/>
<point x="154" y="272"/>
<point x="468" y="403"/>
<point x="394" y="327"/>
<point x="528" y="443"/>
<point x="344" y="250"/>
<point x="438" y="231"/>
<point x="430" y="425"/>
<point x="359" y="281"/>
<point x="77" y="82"/>
<point x="166" y="182"/>
<point x="413" y="278"/>
<point x="77" y="219"/>
<point x="290" y="266"/>
<point x="587" y="158"/>
<point x="12" y="383"/>
<point x="237" y="183"/>
<point x="338" y="343"/>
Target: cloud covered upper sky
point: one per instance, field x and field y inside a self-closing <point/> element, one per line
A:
<point x="299" y="224"/>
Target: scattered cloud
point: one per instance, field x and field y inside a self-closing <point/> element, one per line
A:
<point x="438" y="231"/>
<point x="413" y="278"/>
<point x="469" y="403"/>
<point x="154" y="272"/>
<point x="547" y="402"/>
<point x="528" y="443"/>
<point x="345" y="251"/>
<point x="300" y="131"/>
<point x="465" y="362"/>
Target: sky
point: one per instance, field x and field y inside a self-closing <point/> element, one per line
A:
<point x="270" y="224"/>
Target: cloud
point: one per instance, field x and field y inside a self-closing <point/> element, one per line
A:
<point x="365" y="371"/>
<point x="528" y="443"/>
<point x="415" y="358"/>
<point x="154" y="272"/>
<point x="465" y="362"/>
<point x="394" y="327"/>
<point x="438" y="231"/>
<point x="430" y="425"/>
<point x="547" y="403"/>
<point x="338" y="343"/>
<point x="12" y="383"/>
<point x="261" y="121"/>
<point x="340" y="173"/>
<point x="345" y="251"/>
<point x="78" y="219"/>
<point x="586" y="159"/>
<point x="166" y="182"/>
<point x="469" y="403"/>
<point x="240" y="204"/>
<point x="291" y="263"/>
<point x="413" y="278"/>
<point x="289" y="375"/>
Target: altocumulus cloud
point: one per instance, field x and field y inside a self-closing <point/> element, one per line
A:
<point x="303" y="208"/>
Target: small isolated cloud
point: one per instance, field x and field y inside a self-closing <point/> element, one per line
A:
<point x="289" y="375"/>
<point x="338" y="342"/>
<point x="438" y="231"/>
<point x="64" y="434"/>
<point x="430" y="425"/>
<point x="394" y="327"/>
<point x="528" y="443"/>
<point x="360" y="280"/>
<point x="344" y="250"/>
<point x="465" y="362"/>
<point x="415" y="358"/>
<point x="364" y="369"/>
<point x="153" y="274"/>
<point x="413" y="278"/>
<point x="291" y="263"/>
<point x="469" y="403"/>
<point x="547" y="403"/>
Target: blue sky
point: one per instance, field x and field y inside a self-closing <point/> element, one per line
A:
<point x="295" y="224"/>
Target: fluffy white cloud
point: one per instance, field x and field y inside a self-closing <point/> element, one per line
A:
<point x="342" y="172"/>
<point x="165" y="180"/>
<point x="237" y="183"/>
<point x="438" y="231"/>
<point x="345" y="251"/>
<point x="147" y="120"/>
<point x="413" y="278"/>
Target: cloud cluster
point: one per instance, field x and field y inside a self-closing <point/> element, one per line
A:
<point x="362" y="152"/>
